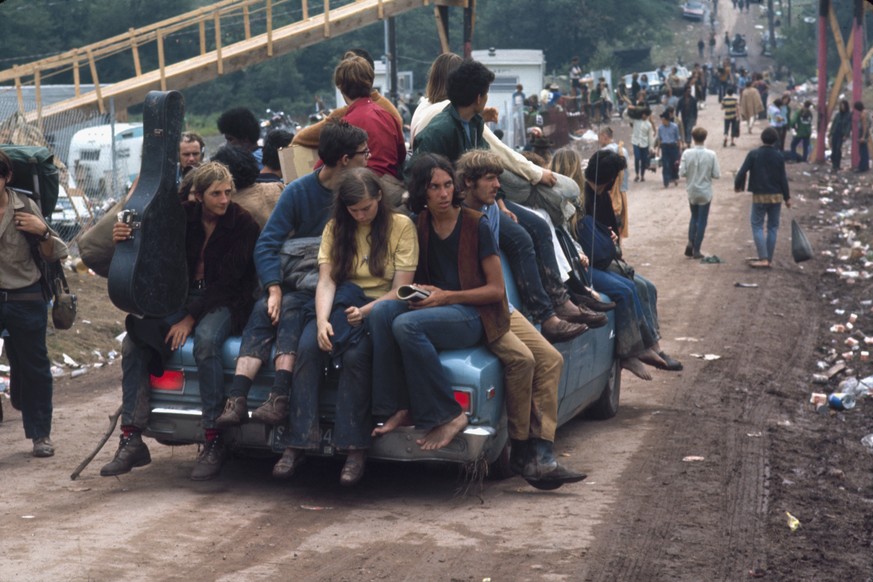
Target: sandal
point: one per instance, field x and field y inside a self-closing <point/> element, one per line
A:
<point x="672" y="364"/>
<point x="760" y="264"/>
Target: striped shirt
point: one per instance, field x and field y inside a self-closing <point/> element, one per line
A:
<point x="729" y="105"/>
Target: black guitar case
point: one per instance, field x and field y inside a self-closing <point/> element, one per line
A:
<point x="149" y="273"/>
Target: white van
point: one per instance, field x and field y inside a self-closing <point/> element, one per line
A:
<point x="90" y="158"/>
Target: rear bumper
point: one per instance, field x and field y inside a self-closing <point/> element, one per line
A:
<point x="178" y="425"/>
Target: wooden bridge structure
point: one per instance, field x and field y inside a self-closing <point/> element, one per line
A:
<point x="214" y="58"/>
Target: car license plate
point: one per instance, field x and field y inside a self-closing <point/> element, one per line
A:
<point x="280" y="440"/>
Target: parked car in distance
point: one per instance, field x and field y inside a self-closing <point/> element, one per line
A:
<point x="656" y="87"/>
<point x="590" y="380"/>
<point x="64" y="220"/>
<point x="693" y="11"/>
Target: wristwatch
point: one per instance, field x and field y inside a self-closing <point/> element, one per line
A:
<point x="46" y="235"/>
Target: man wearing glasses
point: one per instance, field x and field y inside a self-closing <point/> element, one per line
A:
<point x="302" y="211"/>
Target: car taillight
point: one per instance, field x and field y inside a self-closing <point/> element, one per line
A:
<point x="463" y="398"/>
<point x="171" y="380"/>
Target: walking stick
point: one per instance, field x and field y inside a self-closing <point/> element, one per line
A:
<point x="113" y="421"/>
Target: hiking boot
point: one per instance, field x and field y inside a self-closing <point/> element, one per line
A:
<point x="274" y="411"/>
<point x="209" y="461"/>
<point x="542" y="469"/>
<point x="235" y="413"/>
<point x="43" y="447"/>
<point x="557" y="330"/>
<point x="291" y="459"/>
<point x="353" y="469"/>
<point x="132" y="452"/>
<point x="689" y="250"/>
<point x="578" y="314"/>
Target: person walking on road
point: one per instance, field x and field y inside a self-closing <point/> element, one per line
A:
<point x="801" y="122"/>
<point x="731" y="117"/>
<point x="863" y="137"/>
<point x="699" y="166"/>
<point x="669" y="143"/>
<point x="768" y="184"/>
<point x="841" y="129"/>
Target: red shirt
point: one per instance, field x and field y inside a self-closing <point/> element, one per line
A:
<point x="385" y="136"/>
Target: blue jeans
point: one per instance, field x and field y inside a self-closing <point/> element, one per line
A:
<point x="648" y="294"/>
<point x="697" y="226"/>
<point x="864" y="160"/>
<point x="260" y="333"/>
<point x="544" y="247"/>
<point x="629" y="319"/>
<point x="352" y="418"/>
<point x="209" y="336"/>
<point x="836" y="151"/>
<point x="407" y="373"/>
<point x="804" y="141"/>
<point x="518" y="245"/>
<point x="687" y="126"/>
<point x="771" y="213"/>
<point x="641" y="160"/>
<point x="669" y="157"/>
<point x="26" y="323"/>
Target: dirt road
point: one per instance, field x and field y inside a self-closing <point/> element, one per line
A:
<point x="644" y="514"/>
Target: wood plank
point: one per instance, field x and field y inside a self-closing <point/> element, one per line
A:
<point x="218" y="57"/>
<point x="269" y="28"/>
<point x="247" y="25"/>
<point x="76" y="81"/>
<point x="18" y="93"/>
<point x="239" y="55"/>
<point x="326" y="16"/>
<point x="134" y="48"/>
<point x="161" y="64"/>
<point x="98" y="93"/>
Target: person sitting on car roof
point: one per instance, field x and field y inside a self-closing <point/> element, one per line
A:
<point x="219" y="240"/>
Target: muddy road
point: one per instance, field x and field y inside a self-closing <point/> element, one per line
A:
<point x="643" y="514"/>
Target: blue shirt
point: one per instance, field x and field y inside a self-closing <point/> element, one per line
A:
<point x="668" y="133"/>
<point x="302" y="211"/>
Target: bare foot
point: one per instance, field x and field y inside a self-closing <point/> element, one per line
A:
<point x="442" y="435"/>
<point x="399" y="418"/>
<point x="636" y="367"/>
<point x="651" y="358"/>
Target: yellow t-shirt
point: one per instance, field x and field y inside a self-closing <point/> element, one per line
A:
<point x="402" y="254"/>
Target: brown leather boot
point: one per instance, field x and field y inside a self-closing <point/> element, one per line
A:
<point x="236" y="412"/>
<point x="577" y="314"/>
<point x="557" y="330"/>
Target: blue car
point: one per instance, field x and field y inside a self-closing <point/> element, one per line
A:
<point x="590" y="381"/>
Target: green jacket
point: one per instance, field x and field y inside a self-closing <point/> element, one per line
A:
<point x="802" y="123"/>
<point x="445" y="135"/>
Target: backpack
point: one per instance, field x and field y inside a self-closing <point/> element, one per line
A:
<point x="34" y="170"/>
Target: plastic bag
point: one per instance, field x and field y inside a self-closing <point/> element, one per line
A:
<point x="801" y="250"/>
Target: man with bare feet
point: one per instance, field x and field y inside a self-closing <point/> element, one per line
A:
<point x="459" y="267"/>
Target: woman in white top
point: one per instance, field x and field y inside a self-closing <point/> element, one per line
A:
<point x="642" y="139"/>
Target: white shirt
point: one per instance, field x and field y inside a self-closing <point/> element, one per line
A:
<point x="643" y="133"/>
<point x="699" y="166"/>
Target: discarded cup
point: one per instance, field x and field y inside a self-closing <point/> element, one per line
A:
<point x="867" y="441"/>
<point x="840" y="401"/>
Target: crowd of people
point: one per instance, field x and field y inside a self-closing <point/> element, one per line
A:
<point x="374" y="218"/>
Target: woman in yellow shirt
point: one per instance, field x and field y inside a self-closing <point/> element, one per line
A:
<point x="367" y="252"/>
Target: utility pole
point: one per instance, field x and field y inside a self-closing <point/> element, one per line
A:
<point x="857" y="76"/>
<point x="823" y="9"/>
<point x="391" y="34"/>
<point x="771" y="26"/>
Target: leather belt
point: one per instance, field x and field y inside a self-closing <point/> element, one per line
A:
<point x="8" y="296"/>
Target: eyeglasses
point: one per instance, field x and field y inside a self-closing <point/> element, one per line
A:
<point x="365" y="153"/>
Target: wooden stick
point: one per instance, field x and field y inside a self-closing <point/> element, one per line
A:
<point x="113" y="421"/>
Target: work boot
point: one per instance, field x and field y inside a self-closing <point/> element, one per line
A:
<point x="543" y="470"/>
<point x="236" y="412"/>
<point x="519" y="454"/>
<point x="592" y="303"/>
<point x="209" y="461"/>
<point x="291" y="459"/>
<point x="274" y="411"/>
<point x="578" y="314"/>
<point x="132" y="452"/>
<point x="557" y="330"/>
<point x="43" y="447"/>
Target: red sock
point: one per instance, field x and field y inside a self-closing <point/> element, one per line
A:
<point x="211" y="434"/>
<point x="127" y="430"/>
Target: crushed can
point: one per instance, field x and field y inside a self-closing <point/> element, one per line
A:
<point x="841" y="401"/>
